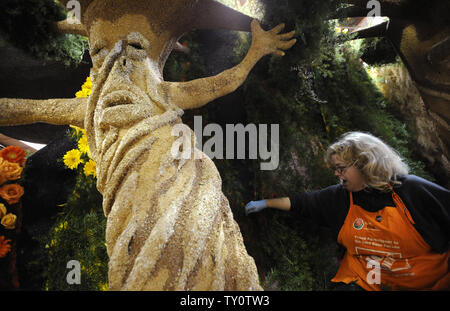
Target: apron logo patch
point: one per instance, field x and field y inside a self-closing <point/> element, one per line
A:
<point x="358" y="224"/>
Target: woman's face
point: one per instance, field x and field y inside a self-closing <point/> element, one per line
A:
<point x="350" y="177"/>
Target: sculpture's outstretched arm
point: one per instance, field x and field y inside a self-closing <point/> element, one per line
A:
<point x="196" y="93"/>
<point x="58" y="111"/>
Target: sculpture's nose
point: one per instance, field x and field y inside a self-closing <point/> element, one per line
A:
<point x="134" y="48"/>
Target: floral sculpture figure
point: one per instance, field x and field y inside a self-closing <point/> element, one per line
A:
<point x="169" y="226"/>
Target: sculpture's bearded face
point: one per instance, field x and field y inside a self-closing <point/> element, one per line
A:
<point x="123" y="71"/>
<point x="131" y="31"/>
<point x="122" y="76"/>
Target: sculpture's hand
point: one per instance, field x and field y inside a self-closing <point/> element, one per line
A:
<point x="270" y="42"/>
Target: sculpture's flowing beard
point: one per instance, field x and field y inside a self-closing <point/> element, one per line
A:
<point x="169" y="225"/>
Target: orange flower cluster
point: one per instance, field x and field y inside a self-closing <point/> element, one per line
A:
<point x="12" y="161"/>
<point x="5" y="247"/>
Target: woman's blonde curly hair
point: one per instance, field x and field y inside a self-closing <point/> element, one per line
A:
<point x="379" y="164"/>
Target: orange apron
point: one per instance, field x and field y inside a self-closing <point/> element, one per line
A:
<point x="384" y="251"/>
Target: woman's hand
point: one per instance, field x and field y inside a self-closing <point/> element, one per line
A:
<point x="255" y="206"/>
<point x="270" y="42"/>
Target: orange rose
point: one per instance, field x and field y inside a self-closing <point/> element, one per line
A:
<point x="10" y="171"/>
<point x="11" y="193"/>
<point x="13" y="154"/>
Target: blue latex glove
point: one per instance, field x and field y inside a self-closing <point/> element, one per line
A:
<point x="255" y="206"/>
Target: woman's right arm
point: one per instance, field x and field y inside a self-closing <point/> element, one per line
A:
<point x="283" y="204"/>
<point x="326" y="206"/>
<point x="278" y="203"/>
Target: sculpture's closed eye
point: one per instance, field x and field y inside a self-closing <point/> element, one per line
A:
<point x="136" y="46"/>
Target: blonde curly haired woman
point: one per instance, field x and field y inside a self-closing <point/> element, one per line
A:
<point x="395" y="227"/>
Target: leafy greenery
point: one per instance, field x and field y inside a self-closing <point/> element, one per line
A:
<point x="26" y="24"/>
<point x="79" y="234"/>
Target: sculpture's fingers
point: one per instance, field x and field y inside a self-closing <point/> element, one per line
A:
<point x="278" y="28"/>
<point x="285" y="45"/>
<point x="287" y="35"/>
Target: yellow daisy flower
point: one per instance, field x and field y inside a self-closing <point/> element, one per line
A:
<point x="83" y="145"/>
<point x="72" y="159"/>
<point x="86" y="89"/>
<point x="90" y="169"/>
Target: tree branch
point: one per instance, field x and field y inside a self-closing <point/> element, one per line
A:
<point x="375" y="31"/>
<point x="64" y="27"/>
<point x="439" y="52"/>
<point x="58" y="111"/>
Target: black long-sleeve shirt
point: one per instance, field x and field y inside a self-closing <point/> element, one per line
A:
<point x="428" y="203"/>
